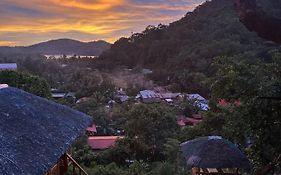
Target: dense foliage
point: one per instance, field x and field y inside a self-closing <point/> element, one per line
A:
<point x="26" y="82"/>
<point x="257" y="87"/>
<point x="150" y="146"/>
<point x="188" y="46"/>
<point x="71" y="74"/>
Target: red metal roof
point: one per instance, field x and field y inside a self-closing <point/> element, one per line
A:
<point x="225" y="103"/>
<point x="192" y="121"/>
<point x="197" y="116"/>
<point x="92" y="128"/>
<point x="182" y="121"/>
<point x="103" y="142"/>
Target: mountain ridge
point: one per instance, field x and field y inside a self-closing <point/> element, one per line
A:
<point x="62" y="46"/>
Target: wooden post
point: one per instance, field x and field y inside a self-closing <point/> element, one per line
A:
<point x="63" y="164"/>
<point x="195" y="171"/>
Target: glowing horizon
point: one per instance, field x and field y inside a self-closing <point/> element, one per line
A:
<point x="32" y="21"/>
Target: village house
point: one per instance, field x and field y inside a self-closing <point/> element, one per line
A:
<point x="122" y="98"/>
<point x="91" y="130"/>
<point x="188" y="121"/>
<point x="70" y="96"/>
<point x="225" y="103"/>
<point x="198" y="101"/>
<point x="83" y="100"/>
<point x="36" y="134"/>
<point x="103" y="142"/>
<point x="8" y="66"/>
<point x="150" y="96"/>
<point x="170" y="97"/>
<point x="59" y="95"/>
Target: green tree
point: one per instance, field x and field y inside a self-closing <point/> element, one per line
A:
<point x="257" y="87"/>
<point x="26" y="82"/>
<point x="148" y="127"/>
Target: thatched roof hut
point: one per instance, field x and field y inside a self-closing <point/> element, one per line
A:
<point x="214" y="152"/>
<point x="35" y="132"/>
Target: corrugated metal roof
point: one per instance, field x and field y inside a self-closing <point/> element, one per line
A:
<point x="188" y="120"/>
<point x="200" y="101"/>
<point x="169" y="95"/>
<point x="203" y="106"/>
<point x="8" y="66"/>
<point x="92" y="128"/>
<point x="103" y="142"/>
<point x="149" y="94"/>
<point x="35" y="132"/>
<point x="63" y="94"/>
<point x="122" y="98"/>
<point x="195" y="97"/>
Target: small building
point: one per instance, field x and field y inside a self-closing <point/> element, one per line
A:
<point x="91" y="130"/>
<point x="199" y="101"/>
<point x="224" y="103"/>
<point x="169" y="100"/>
<point x="146" y="71"/>
<point x="160" y="89"/>
<point x="192" y="121"/>
<point x="36" y="134"/>
<point x="181" y="123"/>
<point x="187" y="121"/>
<point x="122" y="98"/>
<point x="8" y="66"/>
<point x="213" y="155"/>
<point x="149" y="96"/>
<point x="170" y="97"/>
<point x="83" y="100"/>
<point x="70" y="96"/>
<point x="103" y="142"/>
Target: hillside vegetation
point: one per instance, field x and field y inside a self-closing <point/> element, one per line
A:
<point x="187" y="48"/>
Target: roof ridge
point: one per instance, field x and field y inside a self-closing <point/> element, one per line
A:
<point x="3" y="86"/>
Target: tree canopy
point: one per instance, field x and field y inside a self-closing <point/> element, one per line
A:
<point x="26" y="82"/>
<point x="257" y="119"/>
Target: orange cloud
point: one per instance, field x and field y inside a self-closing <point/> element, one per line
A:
<point x="29" y="21"/>
<point x="94" y="5"/>
<point x="8" y="43"/>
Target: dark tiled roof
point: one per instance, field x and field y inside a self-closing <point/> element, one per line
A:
<point x="213" y="152"/>
<point x="35" y="132"/>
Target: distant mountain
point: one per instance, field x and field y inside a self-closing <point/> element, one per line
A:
<point x="61" y="46"/>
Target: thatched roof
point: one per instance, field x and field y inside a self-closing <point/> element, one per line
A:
<point x="213" y="152"/>
<point x="35" y="132"/>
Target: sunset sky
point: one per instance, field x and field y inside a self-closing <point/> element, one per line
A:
<point x="25" y="22"/>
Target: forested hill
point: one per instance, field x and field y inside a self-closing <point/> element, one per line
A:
<point x="212" y="29"/>
<point x="61" y="46"/>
